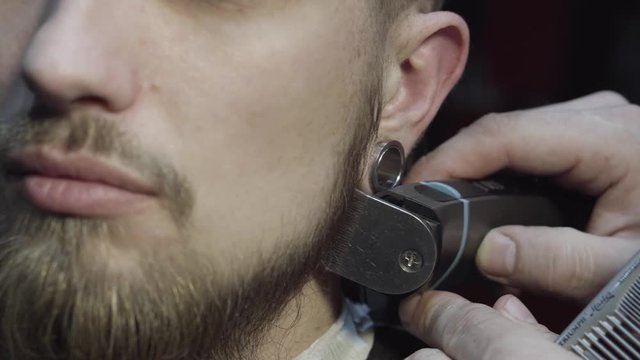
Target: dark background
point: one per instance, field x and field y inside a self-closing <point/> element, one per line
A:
<point x="531" y="53"/>
<point x="526" y="53"/>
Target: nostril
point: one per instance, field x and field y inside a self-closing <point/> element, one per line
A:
<point x="44" y="109"/>
<point x="91" y="101"/>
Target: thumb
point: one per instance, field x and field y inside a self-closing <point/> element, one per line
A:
<point x="561" y="261"/>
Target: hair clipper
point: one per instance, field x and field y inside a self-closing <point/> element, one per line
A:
<point x="416" y="237"/>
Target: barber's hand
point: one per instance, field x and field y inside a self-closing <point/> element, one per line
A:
<point x="590" y="144"/>
<point x="466" y="331"/>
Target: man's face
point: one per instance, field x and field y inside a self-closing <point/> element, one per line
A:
<point x="179" y="156"/>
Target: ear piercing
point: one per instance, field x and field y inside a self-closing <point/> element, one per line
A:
<point x="387" y="166"/>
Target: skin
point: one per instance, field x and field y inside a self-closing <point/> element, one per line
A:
<point x="588" y="144"/>
<point x="85" y="63"/>
<point x="252" y="103"/>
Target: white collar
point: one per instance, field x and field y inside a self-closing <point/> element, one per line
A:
<point x="350" y="337"/>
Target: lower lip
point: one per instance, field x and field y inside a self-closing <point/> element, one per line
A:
<point x="81" y="198"/>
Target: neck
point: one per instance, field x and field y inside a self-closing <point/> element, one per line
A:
<point x="304" y="319"/>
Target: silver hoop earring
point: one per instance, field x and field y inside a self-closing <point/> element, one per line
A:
<point x="387" y="167"/>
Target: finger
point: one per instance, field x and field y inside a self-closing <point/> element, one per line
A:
<point x="429" y="354"/>
<point x="538" y="143"/>
<point x="512" y="308"/>
<point x="467" y="331"/>
<point x="617" y="212"/>
<point x="597" y="100"/>
<point x="561" y="261"/>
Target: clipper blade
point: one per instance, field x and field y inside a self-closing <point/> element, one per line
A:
<point x="609" y="327"/>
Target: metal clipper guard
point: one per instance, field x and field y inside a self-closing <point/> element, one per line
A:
<point x="414" y="236"/>
<point x="385" y="248"/>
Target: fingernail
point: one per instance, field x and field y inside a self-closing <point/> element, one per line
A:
<point x="497" y="255"/>
<point x="408" y="309"/>
<point x="518" y="311"/>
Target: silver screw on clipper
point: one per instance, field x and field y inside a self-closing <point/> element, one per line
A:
<point x="411" y="261"/>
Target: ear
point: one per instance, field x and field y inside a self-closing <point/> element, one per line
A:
<point x="429" y="53"/>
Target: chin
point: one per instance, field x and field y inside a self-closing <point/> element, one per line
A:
<point x="68" y="291"/>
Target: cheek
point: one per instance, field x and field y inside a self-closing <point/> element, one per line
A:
<point x="267" y="148"/>
<point x="258" y="122"/>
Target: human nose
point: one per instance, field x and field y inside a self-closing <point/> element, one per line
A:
<point x="79" y="58"/>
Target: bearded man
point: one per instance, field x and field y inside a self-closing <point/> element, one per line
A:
<point x="174" y="171"/>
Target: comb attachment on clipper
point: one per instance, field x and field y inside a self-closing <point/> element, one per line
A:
<point x="609" y="328"/>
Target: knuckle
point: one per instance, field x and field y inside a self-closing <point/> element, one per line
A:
<point x="490" y="124"/>
<point x="583" y="270"/>
<point x="570" y="266"/>
<point x="467" y="319"/>
<point x="439" y="314"/>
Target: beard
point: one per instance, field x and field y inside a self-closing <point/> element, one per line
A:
<point x="61" y="299"/>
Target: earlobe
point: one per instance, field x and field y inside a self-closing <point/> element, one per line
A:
<point x="429" y="63"/>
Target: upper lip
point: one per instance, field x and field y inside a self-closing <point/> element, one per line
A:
<point x="79" y="166"/>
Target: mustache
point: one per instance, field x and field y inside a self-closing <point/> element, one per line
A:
<point x="102" y="138"/>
